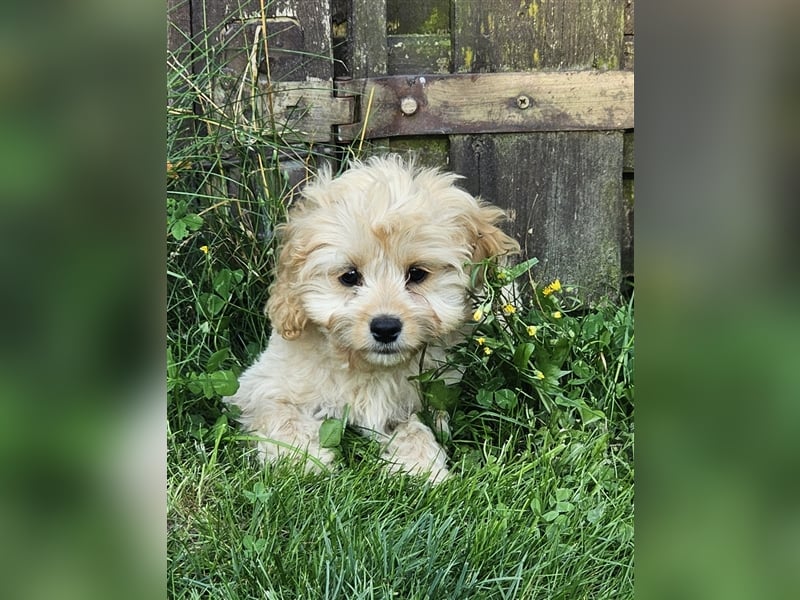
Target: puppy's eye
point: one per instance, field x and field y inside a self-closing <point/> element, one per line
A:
<point x="416" y="275"/>
<point x="351" y="278"/>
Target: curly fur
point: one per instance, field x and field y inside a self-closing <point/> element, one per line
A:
<point x="379" y="224"/>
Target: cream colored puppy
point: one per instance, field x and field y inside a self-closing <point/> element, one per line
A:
<point x="374" y="268"/>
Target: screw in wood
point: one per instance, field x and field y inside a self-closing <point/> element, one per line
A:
<point x="408" y="105"/>
<point x="523" y="102"/>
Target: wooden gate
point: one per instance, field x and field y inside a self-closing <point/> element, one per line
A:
<point x="531" y="101"/>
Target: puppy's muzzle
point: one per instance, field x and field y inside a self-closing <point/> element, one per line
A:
<point x="385" y="329"/>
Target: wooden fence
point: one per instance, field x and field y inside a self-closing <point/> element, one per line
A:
<point x="531" y="101"/>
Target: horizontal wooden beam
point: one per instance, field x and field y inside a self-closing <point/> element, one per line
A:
<point x="308" y="111"/>
<point x="490" y="103"/>
<point x="297" y="111"/>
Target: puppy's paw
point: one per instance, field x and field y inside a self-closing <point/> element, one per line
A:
<point x="413" y="449"/>
<point x="433" y="473"/>
<point x="314" y="459"/>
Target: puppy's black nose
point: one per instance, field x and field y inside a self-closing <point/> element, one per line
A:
<point x="385" y="329"/>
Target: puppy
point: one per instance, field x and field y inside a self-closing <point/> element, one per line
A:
<point x="373" y="275"/>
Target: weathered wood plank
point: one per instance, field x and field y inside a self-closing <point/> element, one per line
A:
<point x="628" y="189"/>
<point x="179" y="29"/>
<point x="179" y="45"/>
<point x="298" y="33"/>
<point x="563" y="192"/>
<point x="628" y="159"/>
<point x="628" y="53"/>
<point x="427" y="151"/>
<point x="564" y="188"/>
<point x="498" y="35"/>
<point x="420" y="16"/>
<point x="629" y="20"/>
<point x="366" y="38"/>
<point x="298" y="112"/>
<point x="495" y="102"/>
<point x="413" y="54"/>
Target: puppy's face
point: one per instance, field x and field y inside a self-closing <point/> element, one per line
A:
<point x="381" y="288"/>
<point x="376" y="259"/>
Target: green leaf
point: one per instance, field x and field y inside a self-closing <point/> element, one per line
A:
<point x="180" y="228"/>
<point x="564" y="507"/>
<point x="222" y="283"/>
<point x="536" y="506"/>
<point x="484" y="397"/>
<point x="505" y="399"/>
<point x="216" y="359"/>
<point x="550" y="515"/>
<point x="253" y="545"/>
<point x="259" y="493"/>
<point x="211" y="304"/>
<point x="330" y="433"/>
<point x="218" y="383"/>
<point x="563" y="494"/>
<point x="441" y="396"/>
<point x="225" y="280"/>
<point x="523" y="267"/>
<point x="223" y="383"/>
<point x="424" y="376"/>
<point x="583" y="370"/>
<point x="193" y="222"/>
<point x="591" y="325"/>
<point x="522" y="355"/>
<point x="552" y="373"/>
<point x="596" y="513"/>
<point x="566" y="401"/>
<point x="560" y="350"/>
<point x="590" y="415"/>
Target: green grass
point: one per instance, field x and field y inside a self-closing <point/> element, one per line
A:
<point x="553" y="524"/>
<point x="540" y="504"/>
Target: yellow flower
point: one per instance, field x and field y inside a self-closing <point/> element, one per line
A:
<point x="480" y="341"/>
<point x="557" y="314"/>
<point x="553" y="287"/>
<point x="501" y="276"/>
<point x="487" y="351"/>
<point x="509" y="309"/>
<point x="477" y="315"/>
<point x="204" y="249"/>
<point x="538" y="374"/>
<point x="532" y="329"/>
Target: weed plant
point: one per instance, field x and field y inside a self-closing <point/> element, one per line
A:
<point x="540" y="504"/>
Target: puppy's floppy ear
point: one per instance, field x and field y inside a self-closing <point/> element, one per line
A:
<point x="490" y="241"/>
<point x="284" y="307"/>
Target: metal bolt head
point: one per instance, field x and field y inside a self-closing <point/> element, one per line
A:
<point x="523" y="102"/>
<point x="408" y="105"/>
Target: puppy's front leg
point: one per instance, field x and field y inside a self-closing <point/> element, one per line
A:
<point x="412" y="448"/>
<point x="288" y="432"/>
